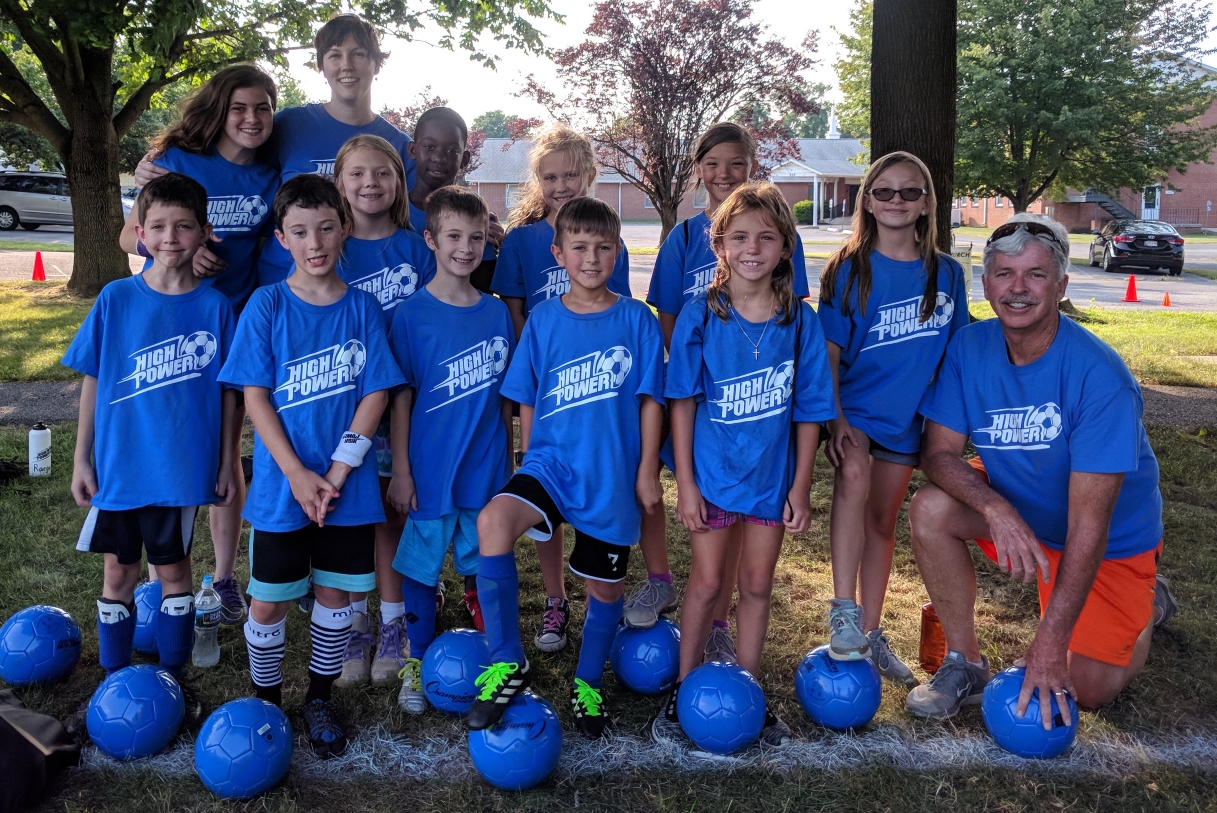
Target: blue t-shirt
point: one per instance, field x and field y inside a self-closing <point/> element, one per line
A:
<point x="686" y="264"/>
<point x="586" y="442"/>
<point x="526" y="267"/>
<point x="157" y="359"/>
<point x="743" y="443"/>
<point x="319" y="362"/>
<point x="418" y="224"/>
<point x="1075" y="408"/>
<point x="455" y="359"/>
<point x="391" y="269"/>
<point x="888" y="355"/>
<point x="239" y="197"/>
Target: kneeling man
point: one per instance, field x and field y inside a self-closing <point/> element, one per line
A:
<point x="1067" y="493"/>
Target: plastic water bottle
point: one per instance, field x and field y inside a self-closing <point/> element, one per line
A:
<point x="40" y="451"/>
<point x="206" y="625"/>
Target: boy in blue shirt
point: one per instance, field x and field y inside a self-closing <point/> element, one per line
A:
<point x="588" y="375"/>
<point x="150" y="351"/>
<point x="449" y="423"/>
<point x="315" y="366"/>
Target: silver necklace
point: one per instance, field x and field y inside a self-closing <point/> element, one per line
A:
<point x="756" y="346"/>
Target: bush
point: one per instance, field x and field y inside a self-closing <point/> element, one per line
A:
<point x="802" y="212"/>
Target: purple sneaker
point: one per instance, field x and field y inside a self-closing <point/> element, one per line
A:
<point x="390" y="655"/>
<point x="554" y="622"/>
<point x="232" y="604"/>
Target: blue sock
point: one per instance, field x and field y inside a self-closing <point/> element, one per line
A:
<point x="175" y="631"/>
<point x="599" y="629"/>
<point x="420" y="615"/>
<point x="115" y="634"/>
<point x="499" y="592"/>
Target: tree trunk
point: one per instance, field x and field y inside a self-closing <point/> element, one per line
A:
<point x="667" y="217"/>
<point x="913" y="91"/>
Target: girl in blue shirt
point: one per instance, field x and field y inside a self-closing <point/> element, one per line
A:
<point x="889" y="303"/>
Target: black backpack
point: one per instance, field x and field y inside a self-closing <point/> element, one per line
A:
<point x="33" y="749"/>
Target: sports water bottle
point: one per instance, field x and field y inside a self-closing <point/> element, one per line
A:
<point x="40" y="451"/>
<point x="206" y="625"/>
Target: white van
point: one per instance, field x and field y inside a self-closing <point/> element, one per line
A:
<point x="33" y="199"/>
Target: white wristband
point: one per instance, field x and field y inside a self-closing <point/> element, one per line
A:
<point x="351" y="449"/>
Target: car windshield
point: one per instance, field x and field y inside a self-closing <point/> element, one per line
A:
<point x="1148" y="228"/>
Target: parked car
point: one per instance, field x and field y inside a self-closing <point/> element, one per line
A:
<point x="33" y="199"/>
<point x="1139" y="244"/>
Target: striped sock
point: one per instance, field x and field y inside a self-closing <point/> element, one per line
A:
<point x="330" y="630"/>
<point x="265" y="643"/>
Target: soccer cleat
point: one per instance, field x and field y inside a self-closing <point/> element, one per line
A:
<point x="498" y="683"/>
<point x="957" y="683"/>
<point x="1164" y="602"/>
<point x="233" y="608"/>
<point x="719" y="646"/>
<point x="665" y="725"/>
<point x="411" y="697"/>
<point x="305" y="603"/>
<point x="439" y="596"/>
<point x="325" y="734"/>
<point x="591" y="716"/>
<point x="474" y="606"/>
<point x="356" y="664"/>
<point x="653" y="598"/>
<point x="554" y="622"/>
<point x="848" y="642"/>
<point x="389" y="653"/>
<point x="194" y="704"/>
<point x="776" y="733"/>
<point x="886" y="661"/>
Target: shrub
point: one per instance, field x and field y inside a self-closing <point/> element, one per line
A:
<point x="802" y="212"/>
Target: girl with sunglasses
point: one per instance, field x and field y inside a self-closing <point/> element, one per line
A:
<point x="889" y="303"/>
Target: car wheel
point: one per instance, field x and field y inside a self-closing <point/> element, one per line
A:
<point x="30" y="226"/>
<point x="8" y="218"/>
<point x="1107" y="264"/>
<point x="1174" y="272"/>
<point x="1093" y="262"/>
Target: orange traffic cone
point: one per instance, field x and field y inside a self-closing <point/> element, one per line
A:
<point x="39" y="271"/>
<point x="1131" y="294"/>
<point x="1166" y="299"/>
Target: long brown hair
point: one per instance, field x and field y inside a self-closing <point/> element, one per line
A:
<point x="861" y="243"/>
<point x="399" y="209"/>
<point x="204" y="112"/>
<point x="766" y="199"/>
<point x="558" y="138"/>
<point x="724" y="132"/>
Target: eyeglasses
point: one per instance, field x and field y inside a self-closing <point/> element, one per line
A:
<point x="1032" y="228"/>
<point x="885" y="194"/>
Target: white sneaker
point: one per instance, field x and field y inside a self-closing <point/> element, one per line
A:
<point x="411" y="697"/>
<point x="357" y="665"/>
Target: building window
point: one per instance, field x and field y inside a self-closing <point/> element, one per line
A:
<point x="512" y="191"/>
<point x="999" y="201"/>
<point x="646" y="203"/>
<point x="975" y="202"/>
<point x="700" y="198"/>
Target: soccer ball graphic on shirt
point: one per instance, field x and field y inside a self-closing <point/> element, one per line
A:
<point x="403" y="277"/>
<point x="1049" y="417"/>
<point x="353" y="355"/>
<point x="944" y="310"/>
<point x="201" y="345"/>
<point x="783" y="378"/>
<point x="497" y="349"/>
<point x="616" y="361"/>
<point x="255" y="206"/>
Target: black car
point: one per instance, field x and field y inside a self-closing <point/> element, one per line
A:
<point x="1139" y="244"/>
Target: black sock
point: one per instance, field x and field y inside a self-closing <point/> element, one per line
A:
<point x="271" y="694"/>
<point x="670" y="708"/>
<point x="471" y="583"/>
<point x="319" y="686"/>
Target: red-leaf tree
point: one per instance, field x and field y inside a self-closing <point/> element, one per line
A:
<point x="406" y="118"/>
<point x="653" y="74"/>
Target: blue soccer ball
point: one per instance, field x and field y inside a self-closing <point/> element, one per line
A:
<point x="452" y="664"/>
<point x="721" y="708"/>
<point x="522" y="749"/>
<point x="837" y="694"/>
<point x="647" y="661"/>
<point x="147" y="610"/>
<point x="135" y="712"/>
<point x="39" y="644"/>
<point x="1025" y="736"/>
<point x="243" y="749"/>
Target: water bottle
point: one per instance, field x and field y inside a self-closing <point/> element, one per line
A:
<point x="40" y="451"/>
<point x="206" y="625"/>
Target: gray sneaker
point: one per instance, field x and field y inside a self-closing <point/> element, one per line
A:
<point x="776" y="733"/>
<point x="233" y="608"/>
<point x="411" y="697"/>
<point x="957" y="683"/>
<point x="1164" y="602"/>
<point x="889" y="666"/>
<point x="356" y="665"/>
<point x="720" y="647"/>
<point x="653" y="598"/>
<point x="665" y="725"/>
<point x="848" y="642"/>
<point x="391" y="651"/>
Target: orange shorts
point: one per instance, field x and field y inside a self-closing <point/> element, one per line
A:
<point x="1120" y="604"/>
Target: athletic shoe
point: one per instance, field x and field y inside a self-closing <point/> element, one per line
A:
<point x="1164" y="602"/>
<point x="665" y="725"/>
<point x="305" y="603"/>
<point x="719" y="646"/>
<point x="554" y="622"/>
<point x="499" y="683"/>
<point x="653" y="598"/>
<point x="76" y="725"/>
<point x="848" y="642"/>
<point x="325" y="734"/>
<point x="957" y="683"/>
<point x="776" y="733"/>
<point x="439" y="596"/>
<point x="411" y="697"/>
<point x="194" y="705"/>
<point x="591" y="716"/>
<point x="389" y="653"/>
<point x="233" y="608"/>
<point x="356" y="664"/>
<point x="886" y="661"/>
<point x="474" y="606"/>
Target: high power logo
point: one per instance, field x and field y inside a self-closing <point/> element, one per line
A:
<point x="753" y="396"/>
<point x="1020" y="428"/>
<point x="699" y="279"/>
<point x="390" y="285"/>
<point x="323" y="166"/>
<point x="236" y="213"/>
<point x="589" y="378"/>
<point x="471" y="370"/>
<point x="557" y="282"/>
<point x="901" y="321"/>
<point x="170" y="361"/>
<point x="322" y="374"/>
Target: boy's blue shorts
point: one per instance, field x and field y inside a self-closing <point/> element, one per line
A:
<point x="424" y="543"/>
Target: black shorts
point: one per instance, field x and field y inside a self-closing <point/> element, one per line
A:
<point x="166" y="532"/>
<point x="591" y="558"/>
<point x="281" y="564"/>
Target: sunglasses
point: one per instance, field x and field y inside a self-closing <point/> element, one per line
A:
<point x="1034" y="229"/>
<point x="885" y="194"/>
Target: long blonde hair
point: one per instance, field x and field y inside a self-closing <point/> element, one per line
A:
<point x="558" y="138"/>
<point x="766" y="199"/>
<point x="399" y="209"/>
<point x="857" y="249"/>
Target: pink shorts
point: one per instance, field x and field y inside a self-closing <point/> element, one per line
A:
<point x="717" y="518"/>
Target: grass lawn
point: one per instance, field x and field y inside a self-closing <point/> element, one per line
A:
<point x="37" y="323"/>
<point x="33" y="245"/>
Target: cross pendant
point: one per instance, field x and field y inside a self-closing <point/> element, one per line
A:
<point x="756" y="353"/>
